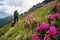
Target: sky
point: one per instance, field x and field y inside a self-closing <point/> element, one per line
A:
<point x="7" y="7"/>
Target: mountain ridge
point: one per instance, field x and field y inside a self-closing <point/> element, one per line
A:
<point x="4" y="21"/>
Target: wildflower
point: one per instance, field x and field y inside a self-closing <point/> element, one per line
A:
<point x="30" y="16"/>
<point x="44" y="26"/>
<point x="56" y="15"/>
<point x="58" y="7"/>
<point x="35" y="20"/>
<point x="47" y="38"/>
<point x="27" y="23"/>
<point x="37" y="29"/>
<point x="52" y="31"/>
<point x="50" y="17"/>
<point x="34" y="37"/>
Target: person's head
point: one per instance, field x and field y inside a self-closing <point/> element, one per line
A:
<point x="15" y="11"/>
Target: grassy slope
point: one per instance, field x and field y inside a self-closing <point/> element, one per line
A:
<point x="4" y="29"/>
<point x="40" y="14"/>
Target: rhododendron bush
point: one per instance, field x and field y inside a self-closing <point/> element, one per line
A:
<point x="44" y="30"/>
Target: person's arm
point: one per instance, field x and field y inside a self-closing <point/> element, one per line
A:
<point x="17" y="13"/>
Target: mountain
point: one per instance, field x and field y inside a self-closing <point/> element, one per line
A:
<point x="6" y="20"/>
<point x="35" y="7"/>
<point x="46" y="1"/>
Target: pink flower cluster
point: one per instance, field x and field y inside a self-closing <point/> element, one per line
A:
<point x="43" y="26"/>
<point x="35" y="20"/>
<point x="34" y="37"/>
<point x="29" y="16"/>
<point x="37" y="29"/>
<point x="27" y="23"/>
<point x="52" y="31"/>
<point x="47" y="38"/>
<point x="50" y="17"/>
<point x="58" y="7"/>
<point x="30" y="20"/>
<point x="56" y="15"/>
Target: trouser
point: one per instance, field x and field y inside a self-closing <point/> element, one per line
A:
<point x="15" y="19"/>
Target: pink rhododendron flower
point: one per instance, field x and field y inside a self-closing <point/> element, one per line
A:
<point x="56" y="15"/>
<point x="44" y="26"/>
<point x="52" y="31"/>
<point x="47" y="38"/>
<point x="27" y="23"/>
<point x="34" y="37"/>
<point x="30" y="16"/>
<point x="35" y="20"/>
<point x="37" y="29"/>
<point x="50" y="17"/>
<point x="58" y="7"/>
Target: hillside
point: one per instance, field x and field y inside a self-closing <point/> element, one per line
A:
<point x="22" y="31"/>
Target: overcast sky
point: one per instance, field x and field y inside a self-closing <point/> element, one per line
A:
<point x="7" y="7"/>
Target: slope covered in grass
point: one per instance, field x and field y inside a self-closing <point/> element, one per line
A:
<point x="25" y="32"/>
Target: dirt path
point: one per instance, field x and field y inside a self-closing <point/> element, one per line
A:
<point x="7" y="32"/>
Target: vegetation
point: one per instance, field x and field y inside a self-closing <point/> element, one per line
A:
<point x="26" y="25"/>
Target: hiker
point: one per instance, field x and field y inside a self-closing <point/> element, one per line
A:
<point x="15" y="16"/>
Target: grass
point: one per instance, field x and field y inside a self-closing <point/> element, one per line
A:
<point x="4" y="29"/>
<point x="12" y="34"/>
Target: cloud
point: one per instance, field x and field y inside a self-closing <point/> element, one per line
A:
<point x="27" y="4"/>
<point x="1" y="0"/>
<point x="14" y="3"/>
<point x="8" y="9"/>
<point x="2" y="3"/>
<point x="8" y="6"/>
